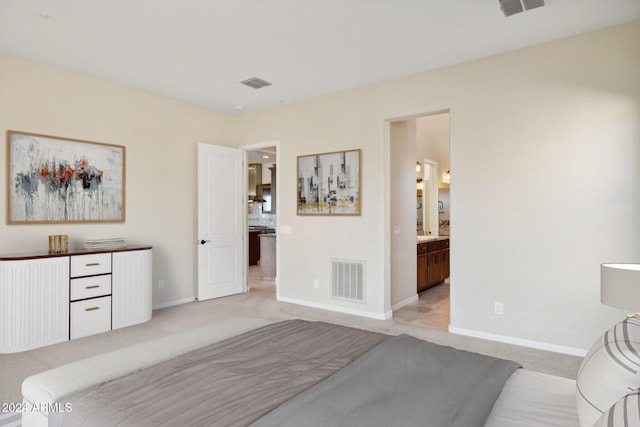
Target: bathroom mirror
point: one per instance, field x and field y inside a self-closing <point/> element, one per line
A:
<point x="427" y="198"/>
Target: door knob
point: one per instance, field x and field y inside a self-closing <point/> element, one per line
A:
<point x="202" y="242"/>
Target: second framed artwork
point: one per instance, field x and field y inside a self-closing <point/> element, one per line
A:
<point x="329" y="183"/>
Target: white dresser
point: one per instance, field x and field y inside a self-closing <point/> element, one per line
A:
<point x="46" y="299"/>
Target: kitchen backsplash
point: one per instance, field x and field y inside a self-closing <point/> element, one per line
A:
<point x="256" y="217"/>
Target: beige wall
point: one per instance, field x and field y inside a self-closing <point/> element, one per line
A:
<point x="545" y="145"/>
<point x="160" y="136"/>
<point x="432" y="140"/>
<point x="326" y="124"/>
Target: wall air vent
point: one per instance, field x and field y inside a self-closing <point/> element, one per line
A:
<point x="347" y="280"/>
<point x="255" y="82"/>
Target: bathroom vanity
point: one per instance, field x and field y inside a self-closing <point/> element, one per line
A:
<point x="433" y="261"/>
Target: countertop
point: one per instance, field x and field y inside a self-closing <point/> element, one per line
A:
<point x="261" y="229"/>
<point x="73" y="250"/>
<point x="422" y="239"/>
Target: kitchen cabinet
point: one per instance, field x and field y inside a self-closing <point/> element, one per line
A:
<point x="432" y="263"/>
<point x="254" y="242"/>
<point x="274" y="188"/>
<point x="268" y="255"/>
<point x="254" y="246"/>
<point x="50" y="298"/>
<point x="255" y="182"/>
<point x="269" y="193"/>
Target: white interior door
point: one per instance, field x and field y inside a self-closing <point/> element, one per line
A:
<point x="221" y="217"/>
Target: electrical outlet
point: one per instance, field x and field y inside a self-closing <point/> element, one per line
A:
<point x="498" y="309"/>
<point x="316" y="283"/>
<point x="161" y="284"/>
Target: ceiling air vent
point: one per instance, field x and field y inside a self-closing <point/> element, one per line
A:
<point x="255" y="82"/>
<point x="511" y="7"/>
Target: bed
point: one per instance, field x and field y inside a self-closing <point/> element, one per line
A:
<point x="247" y="371"/>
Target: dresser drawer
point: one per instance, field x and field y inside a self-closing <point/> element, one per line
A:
<point x="90" y="287"/>
<point x="90" y="264"/>
<point x="90" y="317"/>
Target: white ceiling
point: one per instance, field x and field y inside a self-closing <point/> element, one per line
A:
<point x="266" y="156"/>
<point x="199" y="50"/>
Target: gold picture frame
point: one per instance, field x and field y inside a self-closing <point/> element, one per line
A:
<point x="53" y="179"/>
<point x="329" y="183"/>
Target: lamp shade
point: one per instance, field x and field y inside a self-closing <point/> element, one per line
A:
<point x="620" y="286"/>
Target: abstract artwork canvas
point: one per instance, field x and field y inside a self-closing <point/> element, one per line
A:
<point x="329" y="183"/>
<point x="62" y="180"/>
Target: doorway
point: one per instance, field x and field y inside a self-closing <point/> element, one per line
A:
<point x="419" y="149"/>
<point x="262" y="218"/>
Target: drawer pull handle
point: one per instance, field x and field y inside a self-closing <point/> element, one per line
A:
<point x="93" y="264"/>
<point x="92" y="287"/>
<point x="92" y="308"/>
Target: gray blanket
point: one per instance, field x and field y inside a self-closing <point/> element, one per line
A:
<point x="401" y="382"/>
<point x="230" y="383"/>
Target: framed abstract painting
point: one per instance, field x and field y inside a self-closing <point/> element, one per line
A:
<point x="329" y="183"/>
<point x="61" y="180"/>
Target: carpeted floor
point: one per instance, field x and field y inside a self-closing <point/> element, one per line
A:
<point x="426" y="319"/>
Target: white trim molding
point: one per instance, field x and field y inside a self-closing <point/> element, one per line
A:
<point x="407" y="301"/>
<point x="519" y="341"/>
<point x="346" y="310"/>
<point x="176" y="302"/>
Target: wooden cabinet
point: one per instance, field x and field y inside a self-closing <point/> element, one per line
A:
<point x="254" y="246"/>
<point x="433" y="263"/>
<point x="46" y="299"/>
<point x="444" y="254"/>
<point x="422" y="267"/>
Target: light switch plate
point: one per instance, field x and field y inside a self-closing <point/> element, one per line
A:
<point x="285" y="229"/>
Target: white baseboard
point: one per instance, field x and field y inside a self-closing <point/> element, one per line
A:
<point x="519" y="341"/>
<point x="408" y="301"/>
<point x="346" y="310"/>
<point x="176" y="302"/>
